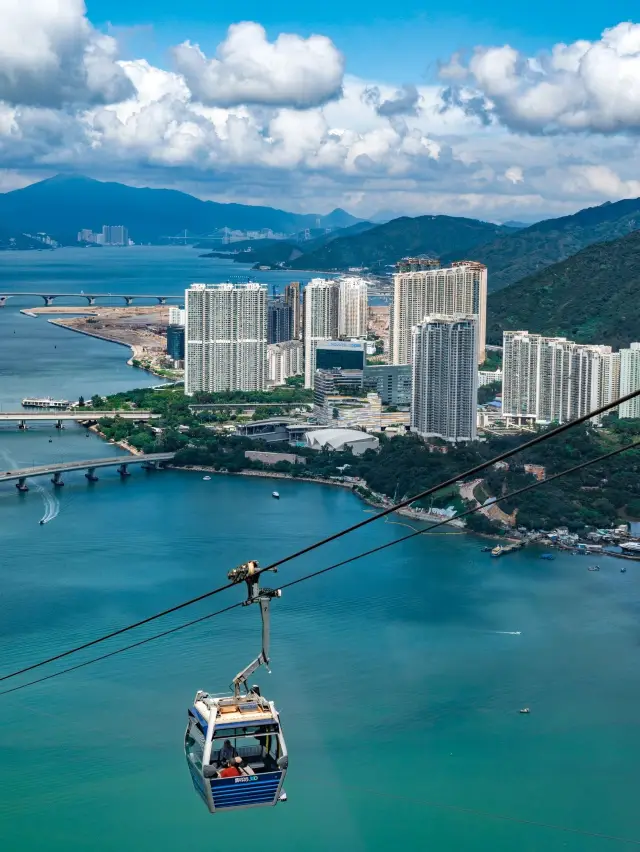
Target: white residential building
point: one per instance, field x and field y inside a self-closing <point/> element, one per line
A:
<point x="177" y="316"/>
<point x="555" y="379"/>
<point x="489" y="377"/>
<point x="630" y="380"/>
<point x="445" y="377"/>
<point x="320" y="305"/>
<point x="283" y="361"/>
<point x="353" y="307"/>
<point x="458" y="289"/>
<point x="225" y="337"/>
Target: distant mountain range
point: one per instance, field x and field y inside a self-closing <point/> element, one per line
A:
<point x="63" y="205"/>
<point x="374" y="247"/>
<point x="514" y="256"/>
<point x="592" y="297"/>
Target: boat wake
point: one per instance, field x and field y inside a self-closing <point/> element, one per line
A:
<point x="507" y="632"/>
<point x="51" y="502"/>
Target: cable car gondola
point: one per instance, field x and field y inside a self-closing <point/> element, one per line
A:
<point x="241" y="729"/>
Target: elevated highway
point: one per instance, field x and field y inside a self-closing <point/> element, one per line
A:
<point x="20" y="476"/>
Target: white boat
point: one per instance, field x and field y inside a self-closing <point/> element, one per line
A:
<point x="276" y="495"/>
<point x="631" y="546"/>
<point x="206" y="478"/>
<point x="45" y="402"/>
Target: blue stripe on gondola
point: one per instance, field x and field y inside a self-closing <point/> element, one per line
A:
<point x="236" y="781"/>
<point x="230" y="792"/>
<point x="228" y="801"/>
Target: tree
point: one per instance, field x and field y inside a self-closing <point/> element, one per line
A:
<point x="81" y="402"/>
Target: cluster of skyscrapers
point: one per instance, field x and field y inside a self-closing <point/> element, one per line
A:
<point x="553" y="380"/>
<point x="111" y="235"/>
<point x="238" y="339"/>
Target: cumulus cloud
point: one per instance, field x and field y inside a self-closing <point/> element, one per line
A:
<point x="279" y="123"/>
<point x="51" y="56"/>
<point x="289" y="72"/>
<point x="514" y="174"/>
<point x="583" y="86"/>
<point x="403" y="102"/>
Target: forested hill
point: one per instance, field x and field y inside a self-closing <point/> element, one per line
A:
<point x="511" y="257"/>
<point x="593" y="297"/>
<point x="385" y="244"/>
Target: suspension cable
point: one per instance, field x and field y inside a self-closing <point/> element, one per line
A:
<point x="531" y="487"/>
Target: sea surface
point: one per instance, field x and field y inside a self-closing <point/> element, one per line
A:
<point x="399" y="678"/>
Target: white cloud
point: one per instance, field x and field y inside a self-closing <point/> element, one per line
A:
<point x="291" y="71"/>
<point x="514" y="174"/>
<point x="275" y="125"/>
<point x="51" y="56"/>
<point x="583" y="86"/>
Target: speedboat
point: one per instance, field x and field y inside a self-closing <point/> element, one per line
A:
<point x="41" y="522"/>
<point x="594" y="567"/>
<point x="525" y="710"/>
<point x="275" y="495"/>
<point x="623" y="570"/>
<point x="206" y="478"/>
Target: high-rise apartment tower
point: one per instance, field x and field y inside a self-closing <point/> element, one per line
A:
<point x="226" y="337"/>
<point x="458" y="289"/>
<point x="444" y="399"/>
<point x="321" y="298"/>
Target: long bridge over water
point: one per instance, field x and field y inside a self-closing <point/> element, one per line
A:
<point x="149" y="461"/>
<point x="78" y="415"/>
<point x="90" y="298"/>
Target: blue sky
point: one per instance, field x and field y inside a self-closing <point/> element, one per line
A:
<point x="396" y="40"/>
<point x="501" y="111"/>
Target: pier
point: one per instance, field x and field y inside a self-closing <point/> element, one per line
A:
<point x="150" y="461"/>
<point x="90" y="298"/>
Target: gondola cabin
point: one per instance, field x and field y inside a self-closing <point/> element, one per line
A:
<point x="221" y="729"/>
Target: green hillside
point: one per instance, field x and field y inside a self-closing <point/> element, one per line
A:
<point x="385" y="244"/>
<point x="593" y="297"/>
<point x="511" y="257"/>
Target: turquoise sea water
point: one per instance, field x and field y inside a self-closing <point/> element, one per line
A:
<point x="399" y="678"/>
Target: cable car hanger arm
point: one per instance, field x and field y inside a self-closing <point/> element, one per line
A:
<point x="250" y="573"/>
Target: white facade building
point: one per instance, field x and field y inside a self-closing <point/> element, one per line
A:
<point x="630" y="380"/>
<point x="555" y="379"/>
<point x="489" y="377"/>
<point x="177" y="316"/>
<point x="321" y="301"/>
<point x="225" y="338"/>
<point x="445" y="377"/>
<point x="353" y="307"/>
<point x="458" y="289"/>
<point x="283" y="361"/>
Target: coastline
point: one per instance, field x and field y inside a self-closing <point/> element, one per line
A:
<point x="117" y="325"/>
<point x="265" y="474"/>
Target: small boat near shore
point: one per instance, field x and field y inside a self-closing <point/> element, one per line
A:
<point x="206" y="478"/>
<point x="275" y="495"/>
<point x="594" y="568"/>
